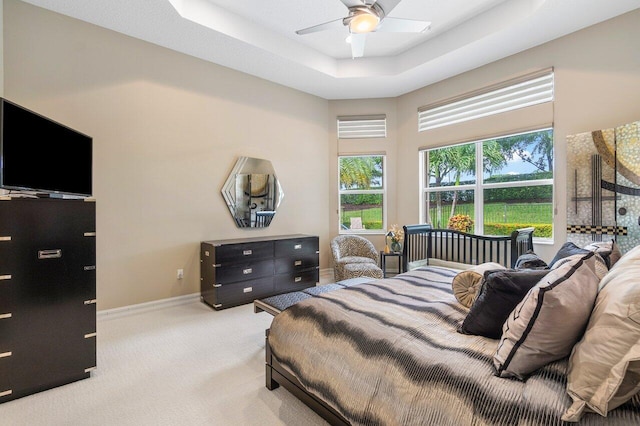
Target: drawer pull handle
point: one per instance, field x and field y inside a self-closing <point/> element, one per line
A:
<point x="247" y="290"/>
<point x="217" y="285"/>
<point x="297" y="263"/>
<point x="89" y="234"/>
<point x="206" y="253"/>
<point x="50" y="254"/>
<point x="90" y="335"/>
<point x="247" y="252"/>
<point x="297" y="247"/>
<point x="297" y="279"/>
<point x="90" y="302"/>
<point x="6" y="354"/>
<point x="5" y="316"/>
<point x="90" y="268"/>
<point x="5" y="238"/>
<point x="6" y="393"/>
<point x="5" y="277"/>
<point x="247" y="271"/>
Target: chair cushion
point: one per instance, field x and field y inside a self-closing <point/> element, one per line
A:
<point x="356" y="259"/>
<point x="354" y="270"/>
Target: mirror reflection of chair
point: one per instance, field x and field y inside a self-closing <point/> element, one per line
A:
<point x="353" y="257"/>
<point x="263" y="219"/>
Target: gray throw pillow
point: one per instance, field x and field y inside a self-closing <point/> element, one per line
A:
<point x="549" y="320"/>
<point x="567" y="249"/>
<point x="530" y="260"/>
<point x="501" y="291"/>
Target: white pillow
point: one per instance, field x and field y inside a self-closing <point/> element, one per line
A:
<point x="604" y="367"/>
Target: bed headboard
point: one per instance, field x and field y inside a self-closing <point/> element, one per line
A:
<point x="423" y="242"/>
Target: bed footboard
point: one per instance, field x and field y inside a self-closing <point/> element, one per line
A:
<point x="421" y="242"/>
<point x="276" y="375"/>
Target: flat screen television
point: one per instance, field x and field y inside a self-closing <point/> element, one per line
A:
<point x="38" y="154"/>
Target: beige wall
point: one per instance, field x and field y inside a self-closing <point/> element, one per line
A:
<point x="167" y="130"/>
<point x="597" y="85"/>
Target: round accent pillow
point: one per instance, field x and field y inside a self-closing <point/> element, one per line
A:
<point x="466" y="285"/>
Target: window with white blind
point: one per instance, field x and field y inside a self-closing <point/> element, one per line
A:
<point x="359" y="127"/>
<point x="522" y="92"/>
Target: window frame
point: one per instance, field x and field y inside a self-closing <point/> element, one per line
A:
<point x="479" y="186"/>
<point x="382" y="191"/>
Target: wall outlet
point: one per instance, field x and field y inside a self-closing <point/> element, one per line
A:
<point x="180" y="274"/>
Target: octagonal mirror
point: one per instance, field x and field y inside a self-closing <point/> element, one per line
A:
<point x="252" y="193"/>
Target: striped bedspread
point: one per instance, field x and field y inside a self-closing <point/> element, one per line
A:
<point x="387" y="353"/>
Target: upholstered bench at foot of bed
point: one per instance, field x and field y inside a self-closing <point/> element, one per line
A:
<point x="278" y="303"/>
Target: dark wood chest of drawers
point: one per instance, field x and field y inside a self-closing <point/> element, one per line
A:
<point x="235" y="272"/>
<point x="47" y="294"/>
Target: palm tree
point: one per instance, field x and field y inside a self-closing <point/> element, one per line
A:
<point x="360" y="172"/>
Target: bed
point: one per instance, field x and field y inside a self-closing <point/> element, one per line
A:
<point x="388" y="351"/>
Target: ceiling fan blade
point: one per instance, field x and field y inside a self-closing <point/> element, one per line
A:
<point x="387" y="5"/>
<point x="398" y="25"/>
<point x="352" y="3"/>
<point x="331" y="25"/>
<point x="357" y="45"/>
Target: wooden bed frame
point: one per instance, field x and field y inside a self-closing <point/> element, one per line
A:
<point x="420" y="242"/>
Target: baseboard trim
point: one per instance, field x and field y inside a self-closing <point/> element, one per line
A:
<point x="326" y="276"/>
<point x="139" y="308"/>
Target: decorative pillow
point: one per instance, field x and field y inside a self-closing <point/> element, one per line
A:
<point x="530" y="260"/>
<point x="549" y="320"/>
<point x="601" y="268"/>
<point x="609" y="251"/>
<point x="466" y="284"/>
<point x="604" y="367"/>
<point x="567" y="249"/>
<point x="501" y="291"/>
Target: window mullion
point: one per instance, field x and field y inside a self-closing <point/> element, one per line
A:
<point x="479" y="193"/>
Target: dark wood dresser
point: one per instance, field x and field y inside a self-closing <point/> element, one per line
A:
<point x="235" y="272"/>
<point x="47" y="294"/>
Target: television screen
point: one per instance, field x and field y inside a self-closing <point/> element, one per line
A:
<point x="38" y="154"/>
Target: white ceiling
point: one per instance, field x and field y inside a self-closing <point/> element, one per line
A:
<point x="258" y="37"/>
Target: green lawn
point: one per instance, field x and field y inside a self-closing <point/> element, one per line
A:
<point x="500" y="218"/>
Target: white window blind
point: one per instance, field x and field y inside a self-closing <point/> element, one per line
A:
<point x="525" y="91"/>
<point x="356" y="127"/>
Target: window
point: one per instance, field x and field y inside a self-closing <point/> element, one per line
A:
<point x="362" y="192"/>
<point x="502" y="184"/>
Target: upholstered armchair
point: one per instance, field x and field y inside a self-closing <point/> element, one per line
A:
<point x="353" y="257"/>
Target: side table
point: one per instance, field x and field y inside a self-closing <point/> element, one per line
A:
<point x="383" y="261"/>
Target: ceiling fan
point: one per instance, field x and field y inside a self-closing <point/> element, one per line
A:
<point x="367" y="16"/>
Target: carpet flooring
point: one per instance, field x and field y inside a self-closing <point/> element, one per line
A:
<point x="177" y="365"/>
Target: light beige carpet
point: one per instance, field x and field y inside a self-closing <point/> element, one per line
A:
<point x="180" y="365"/>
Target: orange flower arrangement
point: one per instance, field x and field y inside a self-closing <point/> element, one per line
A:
<point x="460" y="222"/>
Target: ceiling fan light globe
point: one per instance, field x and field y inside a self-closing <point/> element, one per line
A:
<point x="363" y="23"/>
